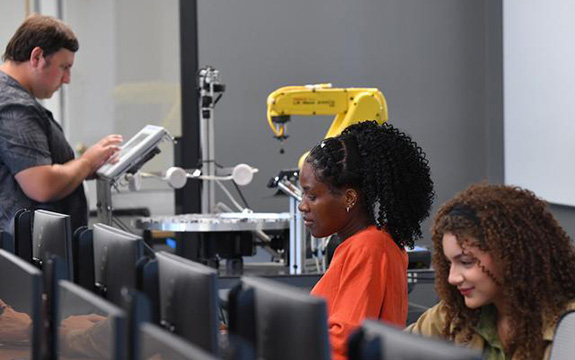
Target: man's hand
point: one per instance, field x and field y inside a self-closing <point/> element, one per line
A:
<point x="85" y="336"/>
<point x="102" y="152"/>
<point x="14" y="326"/>
<point x="79" y="322"/>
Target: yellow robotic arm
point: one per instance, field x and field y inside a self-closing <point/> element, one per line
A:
<point x="350" y="105"/>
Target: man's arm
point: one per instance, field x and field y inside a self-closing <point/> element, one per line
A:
<point x="53" y="182"/>
<point x="14" y="325"/>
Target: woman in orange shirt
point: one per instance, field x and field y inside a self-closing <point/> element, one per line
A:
<point x="371" y="186"/>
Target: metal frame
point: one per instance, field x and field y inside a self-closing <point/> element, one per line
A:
<point x="187" y="154"/>
<point x="209" y="85"/>
<point x="297" y="239"/>
<point x="104" y="204"/>
<point x="187" y="151"/>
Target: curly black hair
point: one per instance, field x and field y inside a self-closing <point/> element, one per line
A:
<point x="389" y="171"/>
<point x="535" y="256"/>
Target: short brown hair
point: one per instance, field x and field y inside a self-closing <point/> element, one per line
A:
<point x="48" y="33"/>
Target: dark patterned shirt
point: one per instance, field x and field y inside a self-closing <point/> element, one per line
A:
<point x="30" y="137"/>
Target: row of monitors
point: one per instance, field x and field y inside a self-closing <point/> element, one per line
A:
<point x="92" y="258"/>
<point x="106" y="260"/>
<point x="87" y="326"/>
<point x="280" y="322"/>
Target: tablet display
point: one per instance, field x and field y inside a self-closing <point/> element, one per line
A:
<point x="133" y="150"/>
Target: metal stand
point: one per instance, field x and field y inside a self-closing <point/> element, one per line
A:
<point x="297" y="239"/>
<point x="138" y="150"/>
<point x="104" y="204"/>
<point x="210" y="85"/>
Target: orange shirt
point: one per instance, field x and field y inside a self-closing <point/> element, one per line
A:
<point x="367" y="278"/>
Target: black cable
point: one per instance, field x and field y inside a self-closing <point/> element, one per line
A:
<point x="200" y="162"/>
<point x="241" y="195"/>
<point x="218" y="99"/>
<point x="119" y="223"/>
<point x="235" y="185"/>
<point x="148" y="250"/>
<point x="222" y="306"/>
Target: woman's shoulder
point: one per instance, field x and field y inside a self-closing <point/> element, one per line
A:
<point x="370" y="235"/>
<point x="570" y="306"/>
<point x="373" y="241"/>
<point x="370" y="246"/>
<point x="551" y="323"/>
<point x="430" y="323"/>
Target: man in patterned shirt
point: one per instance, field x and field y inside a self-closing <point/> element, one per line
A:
<point x="37" y="165"/>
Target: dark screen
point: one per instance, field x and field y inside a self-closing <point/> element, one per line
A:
<point x="188" y="300"/>
<point x="399" y="345"/>
<point x="89" y="326"/>
<point x="20" y="305"/>
<point x="6" y="241"/>
<point x="116" y="253"/>
<point x="52" y="235"/>
<point x="289" y="323"/>
<point x="157" y="343"/>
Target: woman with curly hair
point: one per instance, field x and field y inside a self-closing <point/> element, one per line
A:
<point x="371" y="186"/>
<point x="505" y="273"/>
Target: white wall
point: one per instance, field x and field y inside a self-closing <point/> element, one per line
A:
<point x="12" y="13"/>
<point x="539" y="90"/>
<point x="90" y="101"/>
<point x="126" y="75"/>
